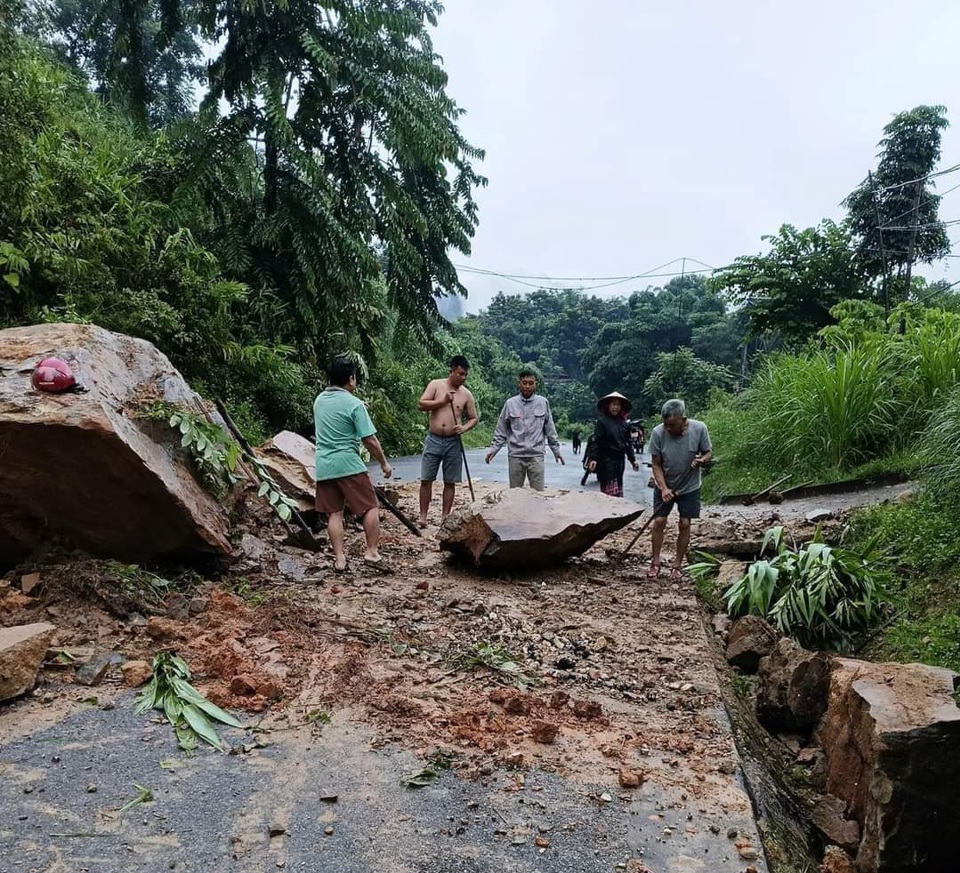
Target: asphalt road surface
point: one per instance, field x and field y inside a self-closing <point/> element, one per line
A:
<point x="407" y="469"/>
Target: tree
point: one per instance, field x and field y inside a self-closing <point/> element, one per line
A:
<point x="791" y="289"/>
<point x="361" y="169"/>
<point x="894" y="212"/>
<point x="142" y="55"/>
<point x="682" y="374"/>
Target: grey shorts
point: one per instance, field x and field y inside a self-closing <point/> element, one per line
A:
<point x="688" y="505"/>
<point x="445" y="450"/>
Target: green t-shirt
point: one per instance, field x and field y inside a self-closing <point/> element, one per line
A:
<point x="341" y="421"/>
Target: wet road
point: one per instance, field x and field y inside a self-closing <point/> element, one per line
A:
<point x="407" y="469"/>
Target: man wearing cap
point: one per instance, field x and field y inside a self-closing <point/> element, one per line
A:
<point x="611" y="443"/>
<point x="525" y="424"/>
<point x="679" y="448"/>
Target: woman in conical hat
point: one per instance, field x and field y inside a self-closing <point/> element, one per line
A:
<point x="611" y="439"/>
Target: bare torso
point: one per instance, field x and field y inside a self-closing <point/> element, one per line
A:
<point x="443" y="420"/>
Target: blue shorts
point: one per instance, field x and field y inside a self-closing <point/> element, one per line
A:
<point x="437" y="449"/>
<point x="688" y="505"/>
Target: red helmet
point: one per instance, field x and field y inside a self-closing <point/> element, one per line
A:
<point x="53" y="375"/>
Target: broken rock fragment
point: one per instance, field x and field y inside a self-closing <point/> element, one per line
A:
<point x="517" y="529"/>
<point x="891" y="735"/>
<point x="291" y="460"/>
<point x="22" y="650"/>
<point x="792" y="688"/>
<point x="750" y="639"/>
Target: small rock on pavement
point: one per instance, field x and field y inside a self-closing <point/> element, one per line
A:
<point x="328" y="830"/>
<point x="818" y="515"/>
<point x="95" y="670"/>
<point x="630" y="778"/>
<point x="276" y="830"/>
<point x="136" y="673"/>
<point x="542" y="843"/>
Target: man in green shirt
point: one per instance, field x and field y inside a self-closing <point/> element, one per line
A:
<point x="342" y="423"/>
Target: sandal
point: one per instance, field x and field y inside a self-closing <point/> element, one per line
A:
<point x="676" y="575"/>
<point x="654" y="571"/>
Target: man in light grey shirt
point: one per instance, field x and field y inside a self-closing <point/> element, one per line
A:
<point x="525" y="424"/>
<point x="679" y="448"/>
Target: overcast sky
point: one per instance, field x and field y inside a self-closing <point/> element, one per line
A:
<point x="622" y="134"/>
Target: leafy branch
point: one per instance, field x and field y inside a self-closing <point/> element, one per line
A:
<point x="270" y="489"/>
<point x="212" y="451"/>
<point x="216" y="455"/>
<point x="498" y="661"/>
<point x="190" y="713"/>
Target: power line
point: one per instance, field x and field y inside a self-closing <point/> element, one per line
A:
<point x="946" y="172"/>
<point x="912" y="209"/>
<point x="607" y="281"/>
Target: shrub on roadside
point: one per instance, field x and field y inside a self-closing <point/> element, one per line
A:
<point x="821" y="595"/>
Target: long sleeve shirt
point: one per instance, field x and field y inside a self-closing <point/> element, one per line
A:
<point x="611" y="436"/>
<point x="524" y="426"/>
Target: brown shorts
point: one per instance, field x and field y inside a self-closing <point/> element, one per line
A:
<point x="356" y="492"/>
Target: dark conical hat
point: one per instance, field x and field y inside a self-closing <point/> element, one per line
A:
<point x="625" y="404"/>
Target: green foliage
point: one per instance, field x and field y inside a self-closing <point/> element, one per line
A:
<point x="192" y="716"/>
<point x="940" y="446"/>
<point x="504" y="667"/>
<point x="144" y="57"/>
<point x="682" y="374"/>
<point x="270" y="489"/>
<point x="791" y="289"/>
<point x="922" y="539"/>
<point x="212" y="451"/>
<point x="585" y="346"/>
<point x="859" y="402"/>
<point x="216" y="455"/>
<point x="819" y="594"/>
<point x="839" y="406"/>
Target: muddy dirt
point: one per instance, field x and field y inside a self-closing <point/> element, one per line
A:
<point x="616" y="685"/>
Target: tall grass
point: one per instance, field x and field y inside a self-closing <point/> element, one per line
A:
<point x="835" y="407"/>
<point x="940" y="446"/>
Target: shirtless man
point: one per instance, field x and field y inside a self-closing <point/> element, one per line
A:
<point x="443" y="440"/>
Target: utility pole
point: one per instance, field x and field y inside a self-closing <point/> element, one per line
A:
<point x="915" y="224"/>
<point x="883" y="254"/>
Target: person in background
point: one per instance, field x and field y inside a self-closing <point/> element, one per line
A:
<point x="524" y="426"/>
<point x="342" y="423"/>
<point x="679" y="449"/>
<point x="446" y="400"/>
<point x="588" y="456"/>
<point x="611" y="443"/>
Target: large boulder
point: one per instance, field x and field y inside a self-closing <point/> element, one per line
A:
<point x="82" y="466"/>
<point x="518" y="529"/>
<point x="22" y="650"/>
<point x="891" y="735"/>
<point x="792" y="688"/>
